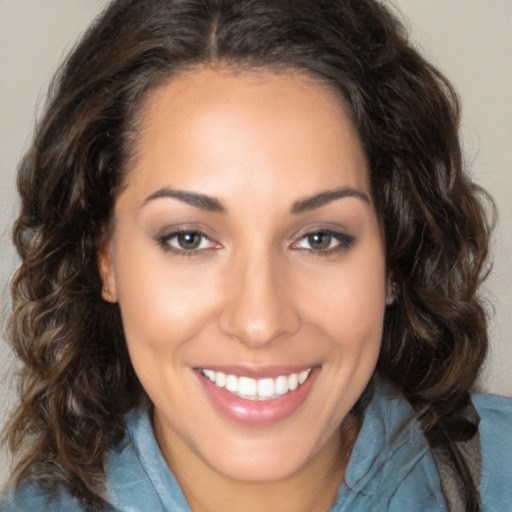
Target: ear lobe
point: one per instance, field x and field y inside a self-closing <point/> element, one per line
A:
<point x="392" y="293"/>
<point x="107" y="274"/>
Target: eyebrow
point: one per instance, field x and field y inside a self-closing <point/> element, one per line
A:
<point x="323" y="198"/>
<point x="200" y="201"/>
<point x="211" y="204"/>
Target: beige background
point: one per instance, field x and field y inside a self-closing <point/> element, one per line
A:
<point x="470" y="40"/>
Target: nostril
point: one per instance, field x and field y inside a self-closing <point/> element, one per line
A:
<point x="257" y="308"/>
<point x="258" y="326"/>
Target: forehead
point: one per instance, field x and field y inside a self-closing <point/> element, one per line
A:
<point x="258" y="126"/>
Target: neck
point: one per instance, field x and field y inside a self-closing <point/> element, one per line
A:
<point x="311" y="489"/>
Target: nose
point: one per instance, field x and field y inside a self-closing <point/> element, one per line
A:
<point x="258" y="307"/>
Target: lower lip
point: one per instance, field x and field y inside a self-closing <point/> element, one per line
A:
<point x="258" y="412"/>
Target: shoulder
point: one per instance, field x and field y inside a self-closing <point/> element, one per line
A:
<point x="137" y="479"/>
<point x="391" y="467"/>
<point x="493" y="408"/>
<point x="495" y="423"/>
<point x="496" y="440"/>
<point x="30" y="497"/>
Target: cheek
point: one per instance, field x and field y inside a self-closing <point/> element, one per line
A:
<point x="161" y="306"/>
<point x="161" y="314"/>
<point x="348" y="301"/>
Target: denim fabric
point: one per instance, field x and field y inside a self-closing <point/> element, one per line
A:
<point x="390" y="469"/>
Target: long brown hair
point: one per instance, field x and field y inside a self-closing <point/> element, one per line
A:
<point x="77" y="382"/>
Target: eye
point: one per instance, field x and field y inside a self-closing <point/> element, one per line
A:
<point x="324" y="241"/>
<point x="185" y="241"/>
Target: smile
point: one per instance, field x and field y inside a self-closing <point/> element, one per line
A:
<point x="256" y="389"/>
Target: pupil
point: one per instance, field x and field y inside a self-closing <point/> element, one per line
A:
<point x="189" y="240"/>
<point x="319" y="240"/>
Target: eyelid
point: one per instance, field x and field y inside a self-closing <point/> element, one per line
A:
<point x="164" y="239"/>
<point x="345" y="241"/>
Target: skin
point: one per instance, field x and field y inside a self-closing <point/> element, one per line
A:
<point x="256" y="292"/>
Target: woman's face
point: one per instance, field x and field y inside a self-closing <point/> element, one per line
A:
<point x="248" y="262"/>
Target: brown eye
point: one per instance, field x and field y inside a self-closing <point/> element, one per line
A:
<point x="320" y="241"/>
<point x="184" y="242"/>
<point x="324" y="241"/>
<point x="189" y="241"/>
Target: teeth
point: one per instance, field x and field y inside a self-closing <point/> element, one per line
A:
<point x="231" y="383"/>
<point x="210" y="374"/>
<point x="219" y="379"/>
<point x="293" y="381"/>
<point x="257" y="389"/>
<point x="303" y="376"/>
<point x="247" y="387"/>
<point x="265" y="388"/>
<point x="281" y="385"/>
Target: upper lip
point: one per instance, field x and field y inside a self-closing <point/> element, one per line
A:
<point x="258" y="372"/>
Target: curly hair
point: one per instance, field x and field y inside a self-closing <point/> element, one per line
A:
<point x="77" y="382"/>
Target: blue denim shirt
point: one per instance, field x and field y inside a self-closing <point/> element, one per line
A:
<point x="390" y="468"/>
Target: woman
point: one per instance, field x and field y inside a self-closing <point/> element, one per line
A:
<point x="250" y="264"/>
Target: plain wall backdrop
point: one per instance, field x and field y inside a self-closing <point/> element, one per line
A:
<point x="469" y="40"/>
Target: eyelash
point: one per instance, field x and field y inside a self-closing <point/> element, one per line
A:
<point x="344" y="240"/>
<point x="165" y="242"/>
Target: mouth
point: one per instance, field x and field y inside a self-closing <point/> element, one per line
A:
<point x="249" y="388"/>
<point x="258" y="397"/>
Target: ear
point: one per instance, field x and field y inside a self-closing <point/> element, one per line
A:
<point x="392" y="291"/>
<point x="107" y="273"/>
